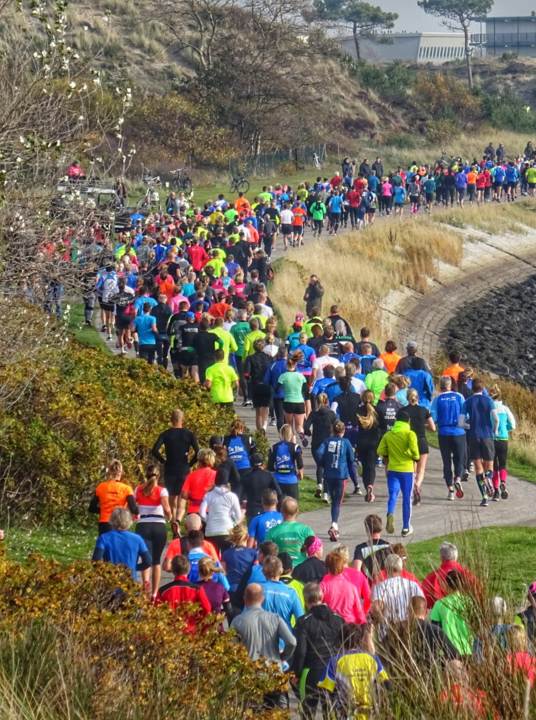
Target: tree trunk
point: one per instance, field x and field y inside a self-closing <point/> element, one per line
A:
<point x="356" y="42"/>
<point x="468" y="57"/>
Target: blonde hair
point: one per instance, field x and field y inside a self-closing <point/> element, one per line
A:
<point x="322" y="400"/>
<point x="239" y="534"/>
<point x="402" y="382"/>
<point x="343" y="551"/>
<point x="368" y="421"/>
<point x="152" y="475"/>
<point x="294" y="359"/>
<point x="207" y="567"/>
<point x="207" y="457"/>
<point x="286" y="433"/>
<point x="412" y="396"/>
<point x="495" y="393"/>
<point x="516" y="639"/>
<point x="114" y="470"/>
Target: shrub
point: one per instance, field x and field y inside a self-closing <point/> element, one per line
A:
<point x="401" y="142"/>
<point x="442" y="131"/>
<point x="76" y="415"/>
<point x="82" y="641"/>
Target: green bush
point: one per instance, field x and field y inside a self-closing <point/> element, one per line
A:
<point x="401" y="141"/>
<point x="81" y="641"/>
<point x="90" y="407"/>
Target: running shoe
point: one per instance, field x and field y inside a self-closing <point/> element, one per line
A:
<point x="465" y="476"/>
<point x="407" y="531"/>
<point x="459" y="489"/>
<point x="333" y="534"/>
<point x="103" y="328"/>
<point x="484" y="502"/>
<point x="370" y="495"/>
<point x="273" y="421"/>
<point x="175" y="529"/>
<point x="416" y="497"/>
<point x="304" y="440"/>
<point x="471" y="467"/>
<point x="325" y="499"/>
<point x="129" y="344"/>
<point x="110" y="338"/>
<point x="496" y="497"/>
<point x="357" y="491"/>
<point x="318" y="491"/>
<point x="450" y="496"/>
<point x="379" y="462"/>
<point x="504" y="491"/>
<point x="248" y="403"/>
<point x="390" y="526"/>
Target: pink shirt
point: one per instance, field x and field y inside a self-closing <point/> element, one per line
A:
<point x="359" y="580"/>
<point x="175" y="301"/>
<point x="343" y="598"/>
<point x="387" y="189"/>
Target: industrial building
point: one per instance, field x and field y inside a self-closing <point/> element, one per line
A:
<point x="498" y="35"/>
<point x="429" y="47"/>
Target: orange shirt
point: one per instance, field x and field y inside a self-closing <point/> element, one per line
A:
<point x="166" y="286"/>
<point x="241" y="204"/>
<point x="471" y="178"/>
<point x="175" y="548"/>
<point x="299" y="216"/>
<point x="390" y="360"/>
<point x="219" y="309"/>
<point x="453" y="371"/>
<point x="197" y="484"/>
<point x="111" y="494"/>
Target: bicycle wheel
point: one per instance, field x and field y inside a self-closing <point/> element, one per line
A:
<point x="187" y="184"/>
<point x="142" y="204"/>
<point x="243" y="186"/>
<point x="232" y="187"/>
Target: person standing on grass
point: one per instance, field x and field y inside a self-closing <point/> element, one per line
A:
<point x="479" y="417"/>
<point x="336" y="456"/>
<point x="400" y="451"/>
<point x="314" y="294"/>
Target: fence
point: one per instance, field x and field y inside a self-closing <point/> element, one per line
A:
<point x="269" y="163"/>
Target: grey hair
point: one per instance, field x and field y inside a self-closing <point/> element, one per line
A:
<point x="378" y="364"/>
<point x="340" y="372"/>
<point x="498" y="606"/>
<point x="312" y="594"/>
<point x="393" y="563"/>
<point x="448" y="552"/>
<point x="241" y="315"/>
<point x="445" y="382"/>
<point x="120" y="519"/>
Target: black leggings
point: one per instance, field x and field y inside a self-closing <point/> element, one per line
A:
<point x="501" y="454"/>
<point x="319" y="468"/>
<point x="241" y="379"/>
<point x="155" y="536"/>
<point x="291" y="490"/>
<point x="367" y="455"/>
<point x="104" y="527"/>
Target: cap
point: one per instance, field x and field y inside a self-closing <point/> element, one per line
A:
<point x="189" y="315"/>
<point x="298" y="316"/>
<point x="412" y="345"/>
<point x="257" y="460"/>
<point x="215" y="439"/>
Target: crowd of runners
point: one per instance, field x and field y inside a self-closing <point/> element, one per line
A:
<point x="189" y="289"/>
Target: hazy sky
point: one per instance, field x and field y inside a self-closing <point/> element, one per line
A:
<point x="413" y="19"/>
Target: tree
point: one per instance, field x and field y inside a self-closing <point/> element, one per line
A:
<point x="458" y="15"/>
<point x="364" y="19"/>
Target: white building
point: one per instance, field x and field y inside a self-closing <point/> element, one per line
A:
<point x="500" y="35"/>
<point x="436" y="48"/>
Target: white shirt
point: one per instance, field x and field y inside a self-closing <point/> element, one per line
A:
<point x="266" y="311"/>
<point x="358" y="385"/>
<point x="271" y="350"/>
<point x="395" y="593"/>
<point x="321" y="362"/>
<point x="220" y="509"/>
<point x="228" y="324"/>
<point x="287" y="217"/>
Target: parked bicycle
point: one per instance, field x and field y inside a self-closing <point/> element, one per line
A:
<point x="180" y="180"/>
<point x="150" y="201"/>
<point x="148" y="178"/>
<point x="316" y="162"/>
<point x="239" y="184"/>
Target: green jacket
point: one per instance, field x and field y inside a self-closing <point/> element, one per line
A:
<point x="318" y="210"/>
<point x="376" y="381"/>
<point x="400" y="446"/>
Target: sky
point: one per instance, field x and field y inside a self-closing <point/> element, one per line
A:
<point x="413" y="19"/>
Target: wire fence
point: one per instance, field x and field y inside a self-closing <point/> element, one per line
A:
<point x="267" y="163"/>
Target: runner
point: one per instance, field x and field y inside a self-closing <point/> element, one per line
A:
<point x="507" y="423"/>
<point x="336" y="456"/>
<point x="286" y="462"/>
<point x="294" y="385"/>
<point x="110" y="494"/>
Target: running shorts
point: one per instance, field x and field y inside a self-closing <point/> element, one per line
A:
<point x="481" y="449"/>
<point x="414" y="199"/>
<point x="261" y="396"/>
<point x="294" y="408"/>
<point x="286" y="229"/>
<point x="429" y="197"/>
<point x="497" y="185"/>
<point x="297" y="229"/>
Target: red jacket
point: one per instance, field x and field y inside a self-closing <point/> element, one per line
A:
<point x="198" y="257"/>
<point x="183" y="592"/>
<point x="434" y="586"/>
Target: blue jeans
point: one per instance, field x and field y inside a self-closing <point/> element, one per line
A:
<point x="335" y="489"/>
<point x="396" y="482"/>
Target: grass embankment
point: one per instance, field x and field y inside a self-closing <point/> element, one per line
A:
<point x="88" y="335"/>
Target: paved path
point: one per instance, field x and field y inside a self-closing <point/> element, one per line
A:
<point x="435" y="516"/>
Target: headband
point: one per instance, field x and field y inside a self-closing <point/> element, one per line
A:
<point x="314" y="547"/>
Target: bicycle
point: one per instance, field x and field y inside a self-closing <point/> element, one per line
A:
<point x="239" y="184"/>
<point x="148" y="178"/>
<point x="316" y="162"/>
<point x="181" y="181"/>
<point x="150" y="201"/>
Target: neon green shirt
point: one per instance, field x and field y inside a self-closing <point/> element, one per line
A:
<point x="400" y="446"/>
<point x="229" y="343"/>
<point x="223" y="378"/>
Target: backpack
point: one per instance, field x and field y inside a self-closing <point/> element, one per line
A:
<point x="175" y="333"/>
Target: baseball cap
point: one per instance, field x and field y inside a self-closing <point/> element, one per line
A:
<point x="257" y="460"/>
<point x="189" y="315"/>
<point x="298" y="317"/>
<point x="412" y="345"/>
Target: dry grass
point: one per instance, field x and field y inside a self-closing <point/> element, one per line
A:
<point x="358" y="270"/>
<point x="496" y="219"/>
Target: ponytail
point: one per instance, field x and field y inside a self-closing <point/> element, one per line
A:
<point x="237" y="428"/>
<point x="152" y="475"/>
<point x="368" y="421"/>
<point x="293" y="360"/>
<point x="115" y="468"/>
